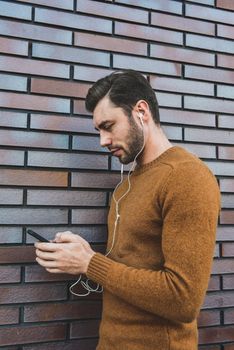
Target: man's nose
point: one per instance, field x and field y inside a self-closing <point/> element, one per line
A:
<point x="105" y="139"/>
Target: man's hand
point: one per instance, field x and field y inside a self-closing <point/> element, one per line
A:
<point x="68" y="253"/>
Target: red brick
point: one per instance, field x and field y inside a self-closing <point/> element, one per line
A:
<point x="211" y="74"/>
<point x="91" y="74"/>
<point x="214" y="283"/>
<point x="226" y="4"/>
<point x="214" y="44"/>
<point x="226" y="91"/>
<point x="169" y="100"/>
<point x="223" y="266"/>
<point x="81" y="344"/>
<point x="212" y="347"/>
<point x="87" y="143"/>
<point x="182" y="85"/>
<point x="186" y="117"/>
<point x="89" y="216"/>
<point x="60" y="123"/>
<point x="216" y="252"/>
<point x="32" y="334"/>
<point x="228" y="282"/>
<point x="35" y="273"/>
<point x="9" y="315"/>
<point x="35" y="67"/>
<point x="227" y="217"/>
<point x="35" y="32"/>
<point x="219" y="299"/>
<point x="10" y="157"/>
<point x="216" y="334"/>
<point x="32" y="293"/>
<point x="17" y="254"/>
<point x="201" y="151"/>
<point x="226" y="121"/>
<point x="41" y="103"/>
<point x="65" y="198"/>
<point x="209" y="104"/>
<point x="79" y="108"/>
<point x="222" y="168"/>
<point x="226" y="153"/>
<point x="162" y="5"/>
<point x="14" y="47"/>
<point x="225" y="61"/>
<point x="210" y="14"/>
<point x="33" y="139"/>
<point x="204" y="2"/>
<point x="81" y="329"/>
<point x="72" y="20"/>
<point x="13" y="119"/>
<point x="146" y="65"/>
<point x="226" y="31"/>
<point x="227" y="185"/>
<point x="11" y="196"/>
<point x="172" y="132"/>
<point x="182" y="55"/>
<point x="58" y="311"/>
<point x="212" y="136"/>
<point x="9" y="274"/>
<point x="66" y="5"/>
<point x="67" y="160"/>
<point x="59" y="87"/>
<point x="112" y="11"/>
<point x="16" y="10"/>
<point x="109" y="43"/>
<point x="70" y="54"/>
<point x="227" y="201"/>
<point x="13" y="82"/>
<point x="95" y="180"/>
<point x="23" y="216"/>
<point x="228" y="249"/>
<point x="33" y="178"/>
<point x="90" y="233"/>
<point x="225" y="233"/>
<point x="209" y="318"/>
<point x="148" y="33"/>
<point x="10" y="234"/>
<point x="229" y="346"/>
<point x="183" y="24"/>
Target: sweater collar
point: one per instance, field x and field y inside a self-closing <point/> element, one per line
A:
<point x="142" y="168"/>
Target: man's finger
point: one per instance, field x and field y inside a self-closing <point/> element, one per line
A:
<point x="45" y="255"/>
<point x="47" y="263"/>
<point x="47" y="247"/>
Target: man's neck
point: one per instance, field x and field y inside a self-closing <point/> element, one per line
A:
<point x="156" y="144"/>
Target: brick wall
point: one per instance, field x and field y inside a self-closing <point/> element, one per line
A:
<point x="53" y="174"/>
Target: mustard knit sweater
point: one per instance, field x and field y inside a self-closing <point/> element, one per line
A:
<point x="157" y="274"/>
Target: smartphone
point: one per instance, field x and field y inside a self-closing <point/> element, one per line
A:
<point x="37" y="236"/>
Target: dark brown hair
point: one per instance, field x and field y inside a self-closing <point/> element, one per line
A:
<point x="124" y="89"/>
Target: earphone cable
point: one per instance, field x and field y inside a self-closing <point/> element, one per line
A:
<point x="99" y="288"/>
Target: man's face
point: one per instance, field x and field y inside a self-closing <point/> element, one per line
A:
<point x="121" y="135"/>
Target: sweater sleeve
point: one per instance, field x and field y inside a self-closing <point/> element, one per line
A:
<point x="190" y="202"/>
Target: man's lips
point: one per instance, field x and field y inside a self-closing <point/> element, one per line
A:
<point x="115" y="151"/>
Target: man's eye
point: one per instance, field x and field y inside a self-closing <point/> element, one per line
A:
<point x="108" y="127"/>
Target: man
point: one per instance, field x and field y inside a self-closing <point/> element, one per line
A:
<point x="161" y="223"/>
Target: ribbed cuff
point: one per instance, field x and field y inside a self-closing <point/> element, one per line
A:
<point x="98" y="268"/>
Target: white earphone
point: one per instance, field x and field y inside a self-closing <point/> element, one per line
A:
<point x="140" y="116"/>
<point x="99" y="288"/>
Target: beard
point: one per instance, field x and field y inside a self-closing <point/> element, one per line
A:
<point x="134" y="143"/>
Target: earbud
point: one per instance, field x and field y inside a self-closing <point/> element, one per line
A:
<point x="140" y="116"/>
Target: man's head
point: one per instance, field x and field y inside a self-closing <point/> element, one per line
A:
<point x="124" y="89"/>
<point x="117" y="102"/>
